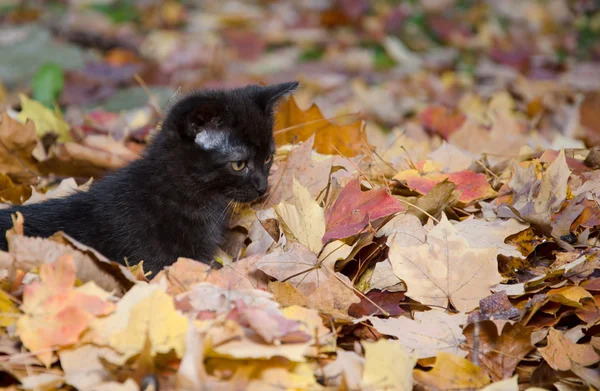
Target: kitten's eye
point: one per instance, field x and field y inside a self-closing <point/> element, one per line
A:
<point x="239" y="165"/>
<point x="269" y="159"/>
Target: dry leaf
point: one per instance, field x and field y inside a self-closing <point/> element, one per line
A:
<point x="452" y="372"/>
<point x="501" y="346"/>
<point x="388" y="365"/>
<point x="561" y="353"/>
<point x="293" y="123"/>
<point x="354" y="210"/>
<point x="429" y="333"/>
<point x="156" y="319"/>
<point x="55" y="313"/>
<point x="446" y="269"/>
<point x="303" y="219"/>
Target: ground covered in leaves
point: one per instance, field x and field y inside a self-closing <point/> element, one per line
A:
<point x="433" y="215"/>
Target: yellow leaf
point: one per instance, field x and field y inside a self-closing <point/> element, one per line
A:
<point x="388" y="366"/>
<point x="452" y="372"/>
<point x="303" y="220"/>
<point x="156" y="318"/>
<point x="293" y="124"/>
<point x="8" y="311"/>
<point x="44" y="119"/>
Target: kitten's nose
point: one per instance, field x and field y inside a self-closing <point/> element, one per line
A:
<point x="261" y="185"/>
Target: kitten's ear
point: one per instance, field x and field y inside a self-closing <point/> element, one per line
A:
<point x="268" y="96"/>
<point x="201" y="115"/>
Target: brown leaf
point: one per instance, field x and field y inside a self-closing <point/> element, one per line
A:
<point x="561" y="353"/>
<point x="17" y="143"/>
<point x="501" y="346"/>
<point x="388" y="301"/>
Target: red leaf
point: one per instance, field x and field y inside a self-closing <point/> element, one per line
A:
<point x="354" y="209"/>
<point x="388" y="301"/>
<point x="441" y="120"/>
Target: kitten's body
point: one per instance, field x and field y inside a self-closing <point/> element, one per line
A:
<point x="174" y="200"/>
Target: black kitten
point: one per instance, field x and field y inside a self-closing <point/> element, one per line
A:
<point x="215" y="148"/>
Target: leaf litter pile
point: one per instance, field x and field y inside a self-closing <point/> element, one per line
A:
<point x="432" y="221"/>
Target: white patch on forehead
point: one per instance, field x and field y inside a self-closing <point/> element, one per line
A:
<point x="212" y="139"/>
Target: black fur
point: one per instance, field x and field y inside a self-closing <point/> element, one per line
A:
<point x="173" y="201"/>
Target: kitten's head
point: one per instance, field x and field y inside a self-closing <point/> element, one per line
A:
<point x="224" y="139"/>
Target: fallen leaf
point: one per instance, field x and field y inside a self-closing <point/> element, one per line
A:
<point x="387" y="301"/>
<point x="155" y="318"/>
<point x="501" y="346"/>
<point x="573" y="296"/>
<point x="312" y="174"/>
<point x="537" y="200"/>
<point x="446" y="269"/>
<point x="83" y="366"/>
<point x="17" y="143"/>
<point x="452" y="372"/>
<point x="354" y="210"/>
<point x="388" y="365"/>
<point x="561" y="353"/>
<point x="55" y="313"/>
<point x="345" y="369"/>
<point x="45" y="120"/>
<point x="473" y="186"/>
<point x="489" y="234"/>
<point x="293" y="123"/>
<point x="451" y="158"/>
<point x="303" y="220"/>
<point x="8" y="310"/>
<point x="31" y="252"/>
<point x="442" y="120"/>
<point x="429" y="333"/>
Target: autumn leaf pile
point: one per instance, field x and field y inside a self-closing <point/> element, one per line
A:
<point x="432" y="219"/>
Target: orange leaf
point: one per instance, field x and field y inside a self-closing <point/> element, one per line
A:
<point x="292" y="124"/>
<point x="55" y="312"/>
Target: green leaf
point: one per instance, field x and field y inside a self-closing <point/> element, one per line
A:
<point x="48" y="83"/>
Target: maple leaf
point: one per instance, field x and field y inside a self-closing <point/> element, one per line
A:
<point x="446" y="269"/>
<point x="486" y="234"/>
<point x="293" y="123"/>
<point x="303" y="220"/>
<point x="388" y="365"/>
<point x="452" y="372"/>
<point x="561" y="353"/>
<point x="354" y="210"/>
<point x="473" y="186"/>
<point x="429" y="333"/>
<point x="56" y="313"/>
<point x="154" y="318"/>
